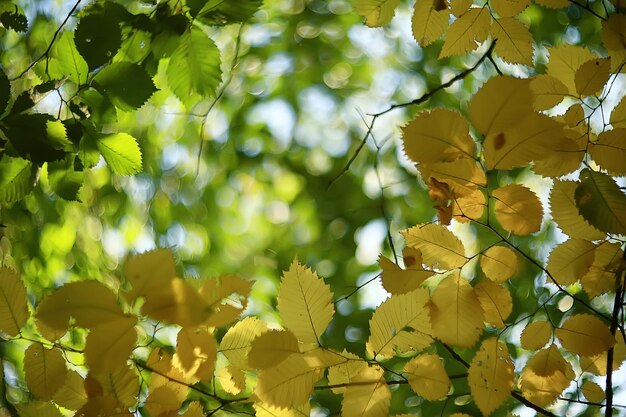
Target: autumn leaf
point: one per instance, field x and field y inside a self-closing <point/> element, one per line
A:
<point x="548" y="91"/>
<point x="226" y="297"/>
<point x="237" y="341"/>
<point x="517" y="209"/>
<point x="495" y="300"/>
<point x="13" y="304"/>
<point x="601" y="202"/>
<point x="591" y="76"/>
<point x="196" y="352"/>
<point x="369" y="396"/>
<point x="440" y="248"/>
<point x="536" y="334"/>
<point x="565" y="60"/>
<point x="427" y="376"/>
<point x="499" y="263"/>
<point x="545" y="376"/>
<point x="149" y="271"/>
<point x="376" y="12"/>
<point x="601" y="275"/>
<point x="429" y="22"/>
<point x="110" y="344"/>
<point x="570" y="260"/>
<point x="176" y="302"/>
<point x="346" y="372"/>
<point x="232" y="379"/>
<point x="592" y="391"/>
<point x="509" y="8"/>
<point x="609" y="151"/>
<point x="585" y="334"/>
<point x="565" y="212"/>
<point x="120" y="383"/>
<point x="272" y="347"/>
<point x="513" y="40"/>
<point x="467" y="32"/>
<point x="491" y="375"/>
<point x="72" y="394"/>
<point x="400" y="281"/>
<point x="267" y="410"/>
<point x="45" y="370"/>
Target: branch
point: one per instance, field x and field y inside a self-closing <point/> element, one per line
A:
<point x="589" y="9"/>
<point x="54" y="37"/>
<point x="416" y="101"/>
<point x="617" y="305"/>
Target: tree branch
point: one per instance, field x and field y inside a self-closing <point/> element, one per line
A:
<point x="617" y="306"/>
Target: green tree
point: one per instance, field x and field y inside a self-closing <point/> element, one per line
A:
<point x="162" y="162"/>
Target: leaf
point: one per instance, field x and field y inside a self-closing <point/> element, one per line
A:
<point x="592" y="391"/>
<point x="585" y="335"/>
<point x="495" y="300"/>
<point x="66" y="61"/>
<point x="463" y="176"/>
<point x="597" y="364"/>
<point x="196" y="352"/>
<point x="618" y="115"/>
<point x="304" y="303"/>
<point x="491" y="375"/>
<point x="89" y="302"/>
<point x="570" y="260"/>
<point x="266" y="410"/>
<point x="564" y="156"/>
<point x="64" y="180"/>
<point x="609" y="151"/>
<point x="103" y="406"/>
<point x="514" y="41"/>
<point x="232" y="379"/>
<point x="427" y="376"/>
<point x="376" y="12"/>
<point x="165" y="398"/>
<point x="400" y="323"/>
<point x="459" y="7"/>
<point x="441" y="135"/>
<point x="517" y="209"/>
<point x="614" y="39"/>
<point x="401" y="281"/>
<point x="591" y="76"/>
<point x="127" y="85"/>
<point x="149" y="271"/>
<point x="499" y="263"/>
<point x="13" y="303"/>
<point x="601" y="275"/>
<point x="219" y="12"/>
<point x="121" y="152"/>
<point x="500" y="104"/>
<point x="369" y="396"/>
<point x="110" y="344"/>
<point x="429" y="22"/>
<point x="72" y="393"/>
<point x="509" y="8"/>
<point x="272" y="347"/>
<point x="345" y="373"/>
<point x="164" y="372"/>
<point x="38" y="409"/>
<point x="227" y="297"/>
<point x="121" y="383"/>
<point x="178" y="302"/>
<point x="565" y="60"/>
<point x="565" y="212"/>
<point x="290" y="383"/>
<point x="45" y="370"/>
<point x="545" y="376"/>
<point x="456" y="314"/>
<point x="36" y="137"/>
<point x="470" y="206"/>
<point x="601" y="202"/>
<point x="536" y="334"/>
<point x="466" y="31"/>
<point x="517" y="146"/>
<point x="547" y="91"/>
<point x="236" y="343"/>
<point x="439" y="246"/>
<point x="98" y="37"/>
<point x="553" y="4"/>
<point x="5" y="91"/>
<point x="194" y="67"/>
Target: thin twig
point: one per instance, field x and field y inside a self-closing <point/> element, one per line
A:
<point x="589" y="9"/>
<point x="617" y="306"/>
<point x="345" y="297"/>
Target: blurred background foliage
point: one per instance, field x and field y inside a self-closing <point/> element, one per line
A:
<point x="239" y="183"/>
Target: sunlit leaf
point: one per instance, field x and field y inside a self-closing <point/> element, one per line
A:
<point x="601" y="275"/>
<point x="227" y="297"/>
<point x="618" y="115"/>
<point x="121" y="383"/>
<point x="110" y="344"/>
<point x="517" y="209"/>
<point x="17" y="178"/>
<point x="439" y="246"/>
<point x="218" y="12"/>
<point x="456" y="314"/>
<point x="597" y="364"/>
<point x="553" y="4"/>
<point x="72" y="394"/>
<point x="470" y="206"/>
<point x="369" y="396"/>
<point x="514" y="41"/>
<point x="400" y="281"/>
<point x="509" y="8"/>
<point x="177" y="302"/>
<point x="499" y="263"/>
<point x="601" y="202"/>
<point x="376" y="12"/>
<point x="545" y="376"/>
<point x="548" y="91"/>
<point x="13" y="304"/>
<point x="429" y="21"/>
<point x="564" y="156"/>
<point x="45" y="370"/>
<point x="38" y="408"/>
<point x="121" y="152"/>
<point x="400" y="323"/>
<point x="536" y="334"/>
<point x="565" y="212"/>
<point x="160" y="362"/>
<point x="196" y="352"/>
<point x="592" y="391"/>
<point x="232" y="379"/>
<point x="495" y="300"/>
<point x="467" y="32"/>
<point x="427" y="376"/>
<point x="591" y="76"/>
<point x="585" y="334"/>
<point x="609" y="151"/>
<point x="614" y="39"/>
<point x="165" y="398"/>
<point x="266" y="410"/>
<point x="346" y="372"/>
<point x="127" y="85"/>
<point x="271" y="348"/>
<point x="148" y="271"/>
<point x="67" y="61"/>
<point x="570" y="260"/>
<point x="564" y="61"/>
<point x="235" y="344"/>
<point x="491" y="375"/>
<point x="463" y="176"/>
<point x="103" y="406"/>
<point x="459" y="7"/>
<point x="304" y="303"/>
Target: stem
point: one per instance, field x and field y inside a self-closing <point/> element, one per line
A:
<point x="617" y="303"/>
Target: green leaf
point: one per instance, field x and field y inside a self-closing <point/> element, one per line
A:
<point x="37" y="137"/>
<point x="194" y="67"/>
<point x="121" y="152"/>
<point x="601" y="202"/>
<point x="66" y="61"/>
<point x="127" y="85"/>
<point x="98" y="37"/>
<point x="5" y="91"/>
<point x="17" y="177"/>
<point x="11" y="17"/>
<point x="222" y="12"/>
<point x="64" y="180"/>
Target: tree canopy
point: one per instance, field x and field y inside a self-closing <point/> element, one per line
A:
<point x="312" y="207"/>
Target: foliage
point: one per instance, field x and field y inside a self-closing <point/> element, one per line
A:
<point x="492" y="310"/>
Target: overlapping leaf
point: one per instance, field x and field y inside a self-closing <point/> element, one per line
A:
<point x="439" y="246"/>
<point x="491" y="375"/>
<point x="13" y="303"/>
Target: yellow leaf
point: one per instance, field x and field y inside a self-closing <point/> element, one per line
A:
<point x="601" y="201"/>
<point x="429" y="22"/>
<point x="36" y="409"/>
<point x="290" y="383"/>
<point x="565" y="61"/>
<point x="610" y="151"/>
<point x="614" y="39"/>
<point x="90" y="303"/>
<point x="456" y="314"/>
<point x="514" y="41"/>
<point x="266" y="410"/>
<point x="235" y="344"/>
<point x="400" y="281"/>
<point x="227" y="297"/>
<point x="618" y="115"/>
<point x="547" y="91"/>
<point x="592" y="75"/>
<point x="304" y="303"/>
<point x="592" y="391"/>
<point x="110" y="344"/>
<point x="536" y="334"/>
<point x="491" y="375"/>
<point x="440" y="247"/>
<point x="166" y="397"/>
<point x="45" y="370"/>
<point x="163" y="371"/>
<point x="344" y="373"/>
<point x="232" y="379"/>
<point x="149" y="271"/>
<point x="13" y="304"/>
<point x="520" y="145"/>
<point x="72" y="394"/>
<point x="194" y="409"/>
<point x="440" y="135"/>
<point x="597" y="364"/>
<point x="369" y="396"/>
<point x="545" y="376"/>
<point x="271" y="348"/>
<point x="500" y="104"/>
<point x="376" y="12"/>
<point x="459" y="7"/>
<point x="428" y="377"/>
<point x="466" y="31"/>
<point x="509" y="8"/>
<point x="517" y="209"/>
<point x="495" y="300"/>
<point x="570" y="260"/>
<point x="564" y="156"/>
<point x="103" y="406"/>
<point x="553" y="4"/>
<point x="176" y="302"/>
<point x="601" y="275"/>
<point x="585" y="335"/>
<point x="470" y="206"/>
<point x="463" y="176"/>
<point x="196" y="352"/>
<point x="565" y="212"/>
<point x="400" y="323"/>
<point x="121" y="383"/>
<point x="499" y="263"/>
